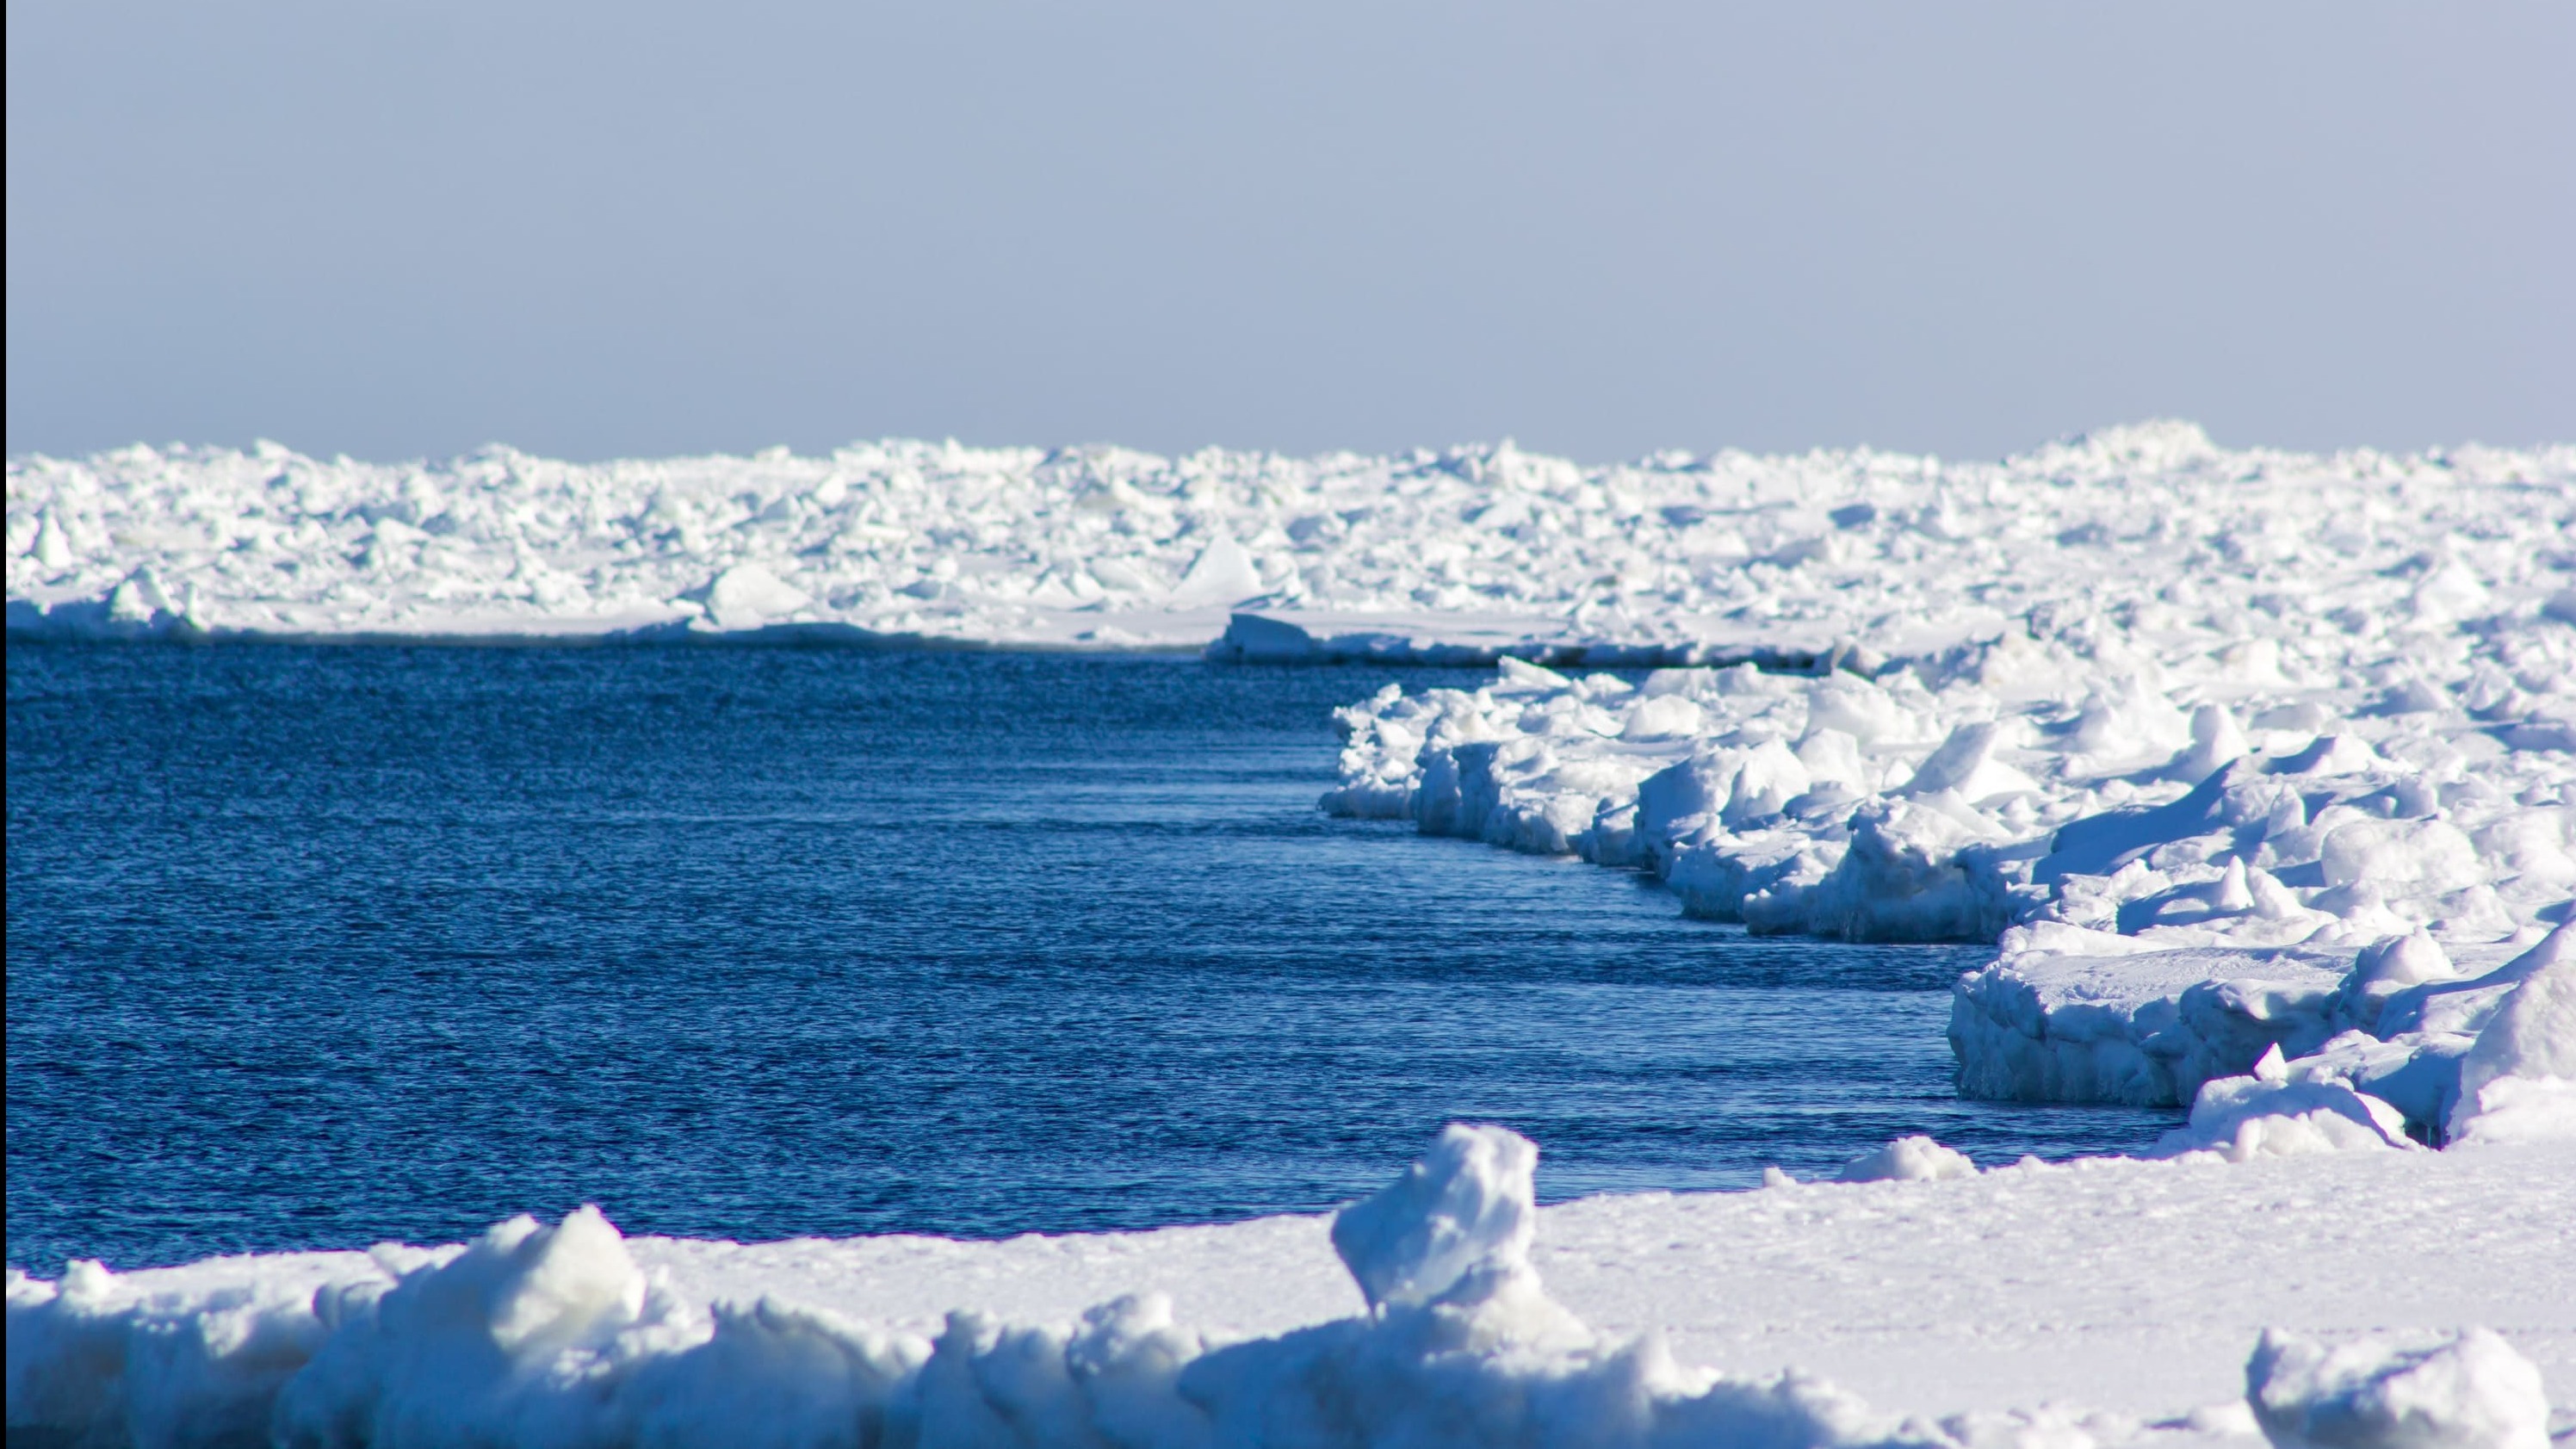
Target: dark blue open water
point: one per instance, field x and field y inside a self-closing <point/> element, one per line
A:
<point x="313" y="948"/>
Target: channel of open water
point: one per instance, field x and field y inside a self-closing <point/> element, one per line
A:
<point x="319" y="947"/>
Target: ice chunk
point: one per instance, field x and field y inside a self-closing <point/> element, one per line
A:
<point x="2519" y="1109"/>
<point x="2468" y="1003"/>
<point x="1770" y="777"/>
<point x="2147" y="1028"/>
<point x="1662" y="717"/>
<point x="1908" y="1159"/>
<point x="744" y="595"/>
<point x="1911" y="874"/>
<point x="2215" y="742"/>
<point x="2463" y="1391"/>
<point x="2522" y="1070"/>
<point x="1223" y="573"/>
<point x="1465" y="1211"/>
<point x="2402" y="961"/>
<point x="2428" y="854"/>
<point x="1964" y="765"/>
<point x="1831" y="755"/>
<point x="2388" y="966"/>
<point x="2266" y="1114"/>
<point x="2330" y="755"/>
<point x="1691" y="789"/>
<point x="461" y="1348"/>
<point x="2126" y="718"/>
<point x="2417" y="1073"/>
<point x="1859" y="709"/>
<point x="1254" y="639"/>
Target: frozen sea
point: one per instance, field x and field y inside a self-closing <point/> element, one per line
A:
<point x="314" y="947"/>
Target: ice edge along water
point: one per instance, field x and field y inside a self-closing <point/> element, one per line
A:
<point x="2259" y="765"/>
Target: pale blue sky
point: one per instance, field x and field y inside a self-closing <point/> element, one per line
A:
<point x="395" y="228"/>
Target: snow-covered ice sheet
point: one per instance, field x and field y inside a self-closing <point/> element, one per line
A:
<point x="2099" y="1302"/>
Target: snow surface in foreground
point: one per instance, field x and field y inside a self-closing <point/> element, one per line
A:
<point x="2097" y="1302"/>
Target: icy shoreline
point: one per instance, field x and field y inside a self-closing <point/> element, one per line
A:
<point x="2230" y="753"/>
<point x="2259" y="767"/>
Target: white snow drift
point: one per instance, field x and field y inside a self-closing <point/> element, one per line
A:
<point x="572" y="1335"/>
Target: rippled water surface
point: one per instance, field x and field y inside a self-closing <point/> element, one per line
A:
<point x="313" y="948"/>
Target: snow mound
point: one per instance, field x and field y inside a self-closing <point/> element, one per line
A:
<point x="2285" y="1056"/>
<point x="2463" y="1391"/>
<point x="1952" y="1298"/>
